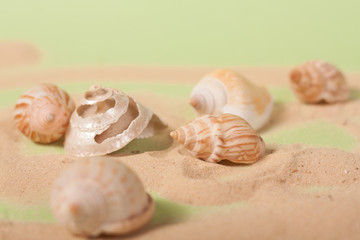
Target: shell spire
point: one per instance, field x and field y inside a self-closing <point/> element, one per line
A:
<point x="42" y="113"/>
<point x="316" y="81"/>
<point x="106" y="121"/>
<point x="101" y="195"/>
<point x="225" y="137"/>
<point x="225" y="91"/>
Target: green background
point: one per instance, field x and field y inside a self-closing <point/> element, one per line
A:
<point x="187" y="32"/>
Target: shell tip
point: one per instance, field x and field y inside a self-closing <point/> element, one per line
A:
<point x="174" y="134"/>
<point x="295" y="76"/>
<point x="50" y="117"/>
<point x="194" y="102"/>
<point x="74" y="208"/>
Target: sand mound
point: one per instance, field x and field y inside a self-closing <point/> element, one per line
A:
<point x="296" y="191"/>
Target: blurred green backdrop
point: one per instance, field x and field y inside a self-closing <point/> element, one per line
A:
<point x="186" y="32"/>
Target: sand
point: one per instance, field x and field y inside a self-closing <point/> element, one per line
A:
<point x="297" y="191"/>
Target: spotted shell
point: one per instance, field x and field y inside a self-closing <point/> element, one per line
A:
<point x="107" y="120"/>
<point x="225" y="91"/>
<point x="101" y="196"/>
<point x="42" y="113"/>
<point x="317" y="81"/>
<point x="224" y="137"/>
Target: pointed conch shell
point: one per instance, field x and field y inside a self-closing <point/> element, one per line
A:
<point x="106" y="121"/>
<point x="317" y="81"/>
<point x="225" y="91"/>
<point x="226" y="137"/>
<point x="101" y="195"/>
<point x="42" y="113"/>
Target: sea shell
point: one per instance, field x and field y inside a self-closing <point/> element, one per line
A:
<point x="317" y="81"/>
<point x="100" y="195"/>
<point x="216" y="138"/>
<point x="106" y="120"/>
<point x="225" y="91"/>
<point x="42" y="113"/>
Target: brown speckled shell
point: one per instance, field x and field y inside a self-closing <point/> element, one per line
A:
<point x="317" y="81"/>
<point x="101" y="195"/>
<point x="42" y="113"/>
<point x="225" y="137"/>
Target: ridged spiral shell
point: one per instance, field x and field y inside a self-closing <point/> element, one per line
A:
<point x="316" y="81"/>
<point x="107" y="120"/>
<point x="224" y="137"/>
<point x="225" y="91"/>
<point x="100" y="196"/>
<point x="42" y="113"/>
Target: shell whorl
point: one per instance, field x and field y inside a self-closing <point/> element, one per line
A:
<point x="42" y="113"/>
<point x="218" y="138"/>
<point x="208" y="96"/>
<point x="83" y="209"/>
<point x="316" y="81"/>
<point x="107" y="120"/>
<point x="100" y="196"/>
<point x="225" y="91"/>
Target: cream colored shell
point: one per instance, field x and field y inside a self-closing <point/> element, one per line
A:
<point x="106" y="121"/>
<point x="317" y="81"/>
<point x="218" y="138"/>
<point x="100" y="196"/>
<point x="225" y="91"/>
<point x="42" y="113"/>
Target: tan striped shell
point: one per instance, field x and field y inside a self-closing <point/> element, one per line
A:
<point x="225" y="91"/>
<point x="42" y="113"/>
<point x="225" y="137"/>
<point x="100" y="196"/>
<point x="317" y="81"/>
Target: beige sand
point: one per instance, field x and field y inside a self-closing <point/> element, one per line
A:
<point x="274" y="190"/>
<point x="14" y="54"/>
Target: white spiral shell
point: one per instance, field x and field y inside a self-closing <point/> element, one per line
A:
<point x="225" y="91"/>
<point x="100" y="195"/>
<point x="224" y="137"/>
<point x="42" y="113"/>
<point x="107" y="120"/>
<point x="316" y="81"/>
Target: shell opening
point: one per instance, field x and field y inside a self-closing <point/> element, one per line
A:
<point x="262" y="146"/>
<point x="122" y="123"/>
<point x="98" y="108"/>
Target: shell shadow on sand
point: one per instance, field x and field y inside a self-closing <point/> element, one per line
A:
<point x="160" y="141"/>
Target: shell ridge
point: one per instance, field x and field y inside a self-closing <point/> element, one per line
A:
<point x="230" y="138"/>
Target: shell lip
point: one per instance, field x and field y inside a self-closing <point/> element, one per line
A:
<point x="132" y="223"/>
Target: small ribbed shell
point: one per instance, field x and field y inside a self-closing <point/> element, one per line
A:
<point x="100" y="196"/>
<point x="317" y="81"/>
<point x="225" y="91"/>
<point x="225" y="137"/>
<point x="107" y="120"/>
<point x="42" y="113"/>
